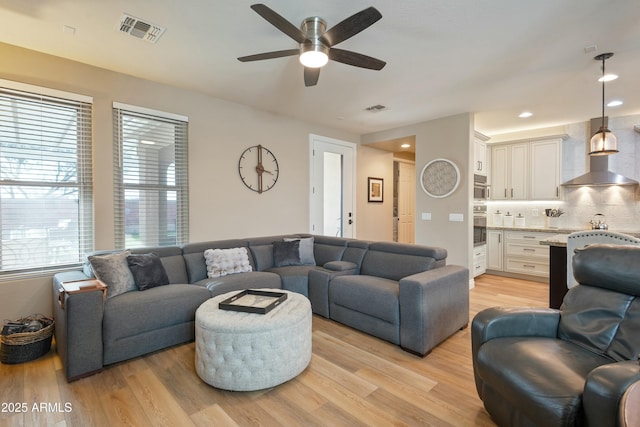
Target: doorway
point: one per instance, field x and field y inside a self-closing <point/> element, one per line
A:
<point x="332" y="192"/>
<point x="404" y="201"/>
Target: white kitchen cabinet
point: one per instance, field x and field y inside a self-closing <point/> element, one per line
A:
<point x="546" y="158"/>
<point x="494" y="250"/>
<point x="480" y="156"/>
<point x="479" y="260"/>
<point x="523" y="253"/>
<point x="509" y="171"/>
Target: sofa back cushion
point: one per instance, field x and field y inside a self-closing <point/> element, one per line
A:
<point x="397" y="260"/>
<point x="602" y="313"/>
<point x="327" y="249"/>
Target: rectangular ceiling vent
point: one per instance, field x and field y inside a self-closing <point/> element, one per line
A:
<point x="140" y="29"/>
<point x="376" y="108"/>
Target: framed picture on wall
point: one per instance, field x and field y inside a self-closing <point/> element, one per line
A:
<point x="376" y="189"/>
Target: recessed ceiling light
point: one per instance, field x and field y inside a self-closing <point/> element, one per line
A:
<point x="608" y="78"/>
<point x="405" y="145"/>
<point x="525" y="114"/>
<point x="615" y="103"/>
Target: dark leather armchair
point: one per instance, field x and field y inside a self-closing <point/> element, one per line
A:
<point x="566" y="367"/>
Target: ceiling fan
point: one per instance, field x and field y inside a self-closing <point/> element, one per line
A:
<point x="317" y="43"/>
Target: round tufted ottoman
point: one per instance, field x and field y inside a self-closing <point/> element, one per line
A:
<point x="247" y="351"/>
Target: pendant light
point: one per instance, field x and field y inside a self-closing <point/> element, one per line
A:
<point x="604" y="142"/>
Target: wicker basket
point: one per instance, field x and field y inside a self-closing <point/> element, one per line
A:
<point x="25" y="346"/>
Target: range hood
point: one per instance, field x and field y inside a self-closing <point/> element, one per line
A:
<point x="599" y="173"/>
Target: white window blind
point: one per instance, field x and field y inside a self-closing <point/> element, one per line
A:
<point x="46" y="201"/>
<point x="151" y="181"/>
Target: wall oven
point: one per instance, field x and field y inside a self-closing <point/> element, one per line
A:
<point x="480" y="188"/>
<point x="479" y="224"/>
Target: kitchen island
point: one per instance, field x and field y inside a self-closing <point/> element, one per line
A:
<point x="558" y="258"/>
<point x="557" y="268"/>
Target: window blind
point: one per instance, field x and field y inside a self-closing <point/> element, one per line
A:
<point x="46" y="200"/>
<point x="151" y="180"/>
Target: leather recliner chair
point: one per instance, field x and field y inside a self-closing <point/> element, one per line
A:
<point x="566" y="367"/>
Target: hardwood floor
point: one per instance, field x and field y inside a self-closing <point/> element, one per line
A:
<point x="353" y="379"/>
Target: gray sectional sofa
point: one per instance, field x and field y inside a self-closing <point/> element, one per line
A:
<point x="405" y="294"/>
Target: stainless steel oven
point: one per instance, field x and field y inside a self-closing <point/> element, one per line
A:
<point x="480" y="188"/>
<point x="479" y="224"/>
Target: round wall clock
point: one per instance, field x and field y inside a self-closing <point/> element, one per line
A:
<point x="258" y="168"/>
<point x="439" y="178"/>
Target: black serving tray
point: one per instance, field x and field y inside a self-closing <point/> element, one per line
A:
<point x="253" y="301"/>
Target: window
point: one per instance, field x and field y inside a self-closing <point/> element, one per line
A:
<point x="151" y="183"/>
<point x="46" y="213"/>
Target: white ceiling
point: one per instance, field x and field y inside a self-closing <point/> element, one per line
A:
<point x="495" y="58"/>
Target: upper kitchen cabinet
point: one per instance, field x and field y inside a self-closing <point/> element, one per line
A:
<point x="509" y="171"/>
<point x="546" y="158"/>
<point x="526" y="170"/>
<point x="480" y="154"/>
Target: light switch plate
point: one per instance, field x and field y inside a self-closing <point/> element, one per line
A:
<point x="456" y="217"/>
<point x="426" y="216"/>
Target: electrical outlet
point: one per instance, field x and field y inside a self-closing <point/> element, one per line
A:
<point x="534" y="212"/>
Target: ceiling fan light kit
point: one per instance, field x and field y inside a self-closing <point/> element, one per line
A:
<point x="316" y="42"/>
<point x="604" y="142"/>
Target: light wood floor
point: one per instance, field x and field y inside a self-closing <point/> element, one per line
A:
<point x="353" y="380"/>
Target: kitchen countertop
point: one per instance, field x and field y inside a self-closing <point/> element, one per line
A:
<point x="559" y="238"/>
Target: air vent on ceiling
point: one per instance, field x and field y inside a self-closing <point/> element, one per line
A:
<point x="140" y="29"/>
<point x="376" y="108"/>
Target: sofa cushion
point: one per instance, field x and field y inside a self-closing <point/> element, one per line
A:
<point x="147" y="270"/>
<point x="286" y="253"/>
<point x="294" y="278"/>
<point x="136" y="323"/>
<point x="233" y="282"/>
<point x="549" y="390"/>
<point x="114" y="271"/>
<point x="221" y="262"/>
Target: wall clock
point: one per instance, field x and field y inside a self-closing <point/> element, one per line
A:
<point x="439" y="178"/>
<point x="258" y="168"/>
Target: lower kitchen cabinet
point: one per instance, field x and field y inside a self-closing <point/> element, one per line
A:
<point x="518" y="252"/>
<point x="494" y="250"/>
<point x="479" y="260"/>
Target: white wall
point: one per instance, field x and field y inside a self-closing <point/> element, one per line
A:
<point x="220" y="205"/>
<point x="450" y="138"/>
<point x="374" y="221"/>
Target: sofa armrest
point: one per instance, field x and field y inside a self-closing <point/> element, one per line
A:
<point x="497" y="322"/>
<point x="78" y="328"/>
<point x="604" y="389"/>
<point x="319" y="280"/>
<point x="434" y="304"/>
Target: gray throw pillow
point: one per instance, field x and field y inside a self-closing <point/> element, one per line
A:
<point x="306" y="250"/>
<point x="114" y="271"/>
<point x="148" y="271"/>
<point x="286" y="253"/>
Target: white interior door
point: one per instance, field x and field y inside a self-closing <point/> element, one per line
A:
<point x="332" y="192"/>
<point x="406" y="202"/>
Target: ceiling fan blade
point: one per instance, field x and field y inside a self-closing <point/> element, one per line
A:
<point x="356" y="59"/>
<point x="269" y="55"/>
<point x="279" y="22"/>
<point x="311" y="76"/>
<point x="351" y="26"/>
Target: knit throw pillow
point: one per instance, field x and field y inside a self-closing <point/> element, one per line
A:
<point x="221" y="262"/>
